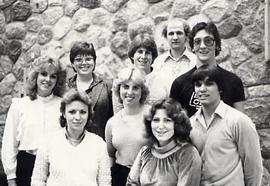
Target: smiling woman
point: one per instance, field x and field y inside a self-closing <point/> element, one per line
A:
<point x="67" y="157"/>
<point x="123" y="143"/>
<point x="169" y="159"/>
<point x="31" y="118"/>
<point x="83" y="61"/>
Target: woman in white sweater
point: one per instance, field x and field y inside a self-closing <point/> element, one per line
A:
<point x="73" y="156"/>
<point x="125" y="131"/>
<point x="32" y="117"/>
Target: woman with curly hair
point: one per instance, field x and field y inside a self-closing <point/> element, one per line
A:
<point x="125" y="131"/>
<point x="73" y="156"/>
<point x="170" y="159"/>
<point x="31" y="118"/>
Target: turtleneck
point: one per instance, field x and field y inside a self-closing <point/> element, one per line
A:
<point x="45" y="99"/>
<point x="166" y="150"/>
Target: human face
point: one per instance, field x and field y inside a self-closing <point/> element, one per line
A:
<point x="162" y="127"/>
<point x="204" y="47"/>
<point x="207" y="92"/>
<point x="76" y="114"/>
<point x="84" y="64"/>
<point x="46" y="81"/>
<point x="130" y="93"/>
<point x="143" y="59"/>
<point x="176" y="35"/>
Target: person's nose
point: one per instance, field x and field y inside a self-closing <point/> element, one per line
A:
<point x="202" y="88"/>
<point x="160" y="125"/>
<point x="143" y="54"/>
<point x="175" y="36"/>
<point x="77" y="116"/>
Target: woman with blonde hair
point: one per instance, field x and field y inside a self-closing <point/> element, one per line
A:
<point x="31" y="118"/>
<point x="125" y="131"/>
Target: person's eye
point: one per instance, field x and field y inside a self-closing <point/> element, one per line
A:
<point x="125" y="86"/>
<point x="209" y="83"/>
<point x="54" y="76"/>
<point x="198" y="84"/>
<point x="155" y="119"/>
<point x="170" y="33"/>
<point x="179" y="33"/>
<point x="88" y="59"/>
<point x="78" y="59"/>
<point x="168" y="120"/>
<point x="197" y="41"/>
<point x="72" y="111"/>
<point x="139" y="51"/>
<point x="83" y="111"/>
<point x="148" y="52"/>
<point x="136" y="88"/>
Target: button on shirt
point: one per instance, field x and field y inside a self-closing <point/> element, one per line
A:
<point x="229" y="148"/>
<point x="166" y="69"/>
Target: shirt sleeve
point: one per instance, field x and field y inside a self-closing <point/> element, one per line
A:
<point x="189" y="173"/>
<point x="239" y="93"/>
<point x="133" y="178"/>
<point x="104" y="173"/>
<point x="10" y="144"/>
<point x="41" y="168"/>
<point x="108" y="138"/>
<point x="248" y="145"/>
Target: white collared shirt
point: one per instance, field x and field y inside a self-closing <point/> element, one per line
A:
<point x="166" y="69"/>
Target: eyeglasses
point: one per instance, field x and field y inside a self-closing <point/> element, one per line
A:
<point x="208" y="41"/>
<point x="80" y="59"/>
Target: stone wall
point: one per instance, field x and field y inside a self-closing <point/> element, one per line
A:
<point x="30" y="28"/>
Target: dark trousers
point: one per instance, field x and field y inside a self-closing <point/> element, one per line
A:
<point x="119" y="175"/>
<point x="25" y="166"/>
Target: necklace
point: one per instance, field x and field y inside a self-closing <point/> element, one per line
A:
<point x="73" y="141"/>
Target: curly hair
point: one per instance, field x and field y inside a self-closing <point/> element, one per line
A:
<point x="182" y="126"/>
<point x="45" y="64"/>
<point x="82" y="48"/>
<point x="145" y="41"/>
<point x="69" y="97"/>
<point x="183" y="21"/>
<point x="210" y="28"/>
<point x="134" y="75"/>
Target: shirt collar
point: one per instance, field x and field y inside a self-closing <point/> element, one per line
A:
<point x="186" y="54"/>
<point x="220" y="111"/>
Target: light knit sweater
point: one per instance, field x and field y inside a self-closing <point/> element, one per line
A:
<point x="125" y="135"/>
<point x="59" y="163"/>
<point x="28" y="121"/>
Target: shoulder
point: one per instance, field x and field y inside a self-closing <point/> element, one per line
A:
<point x="188" y="152"/>
<point x="94" y="138"/>
<point x="160" y="59"/>
<point x="113" y="120"/>
<point x="230" y="76"/>
<point x="185" y="78"/>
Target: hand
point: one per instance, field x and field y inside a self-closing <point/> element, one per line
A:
<point x="12" y="182"/>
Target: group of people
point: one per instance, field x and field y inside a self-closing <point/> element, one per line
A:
<point x="170" y="119"/>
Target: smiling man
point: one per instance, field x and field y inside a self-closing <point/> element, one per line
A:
<point x="177" y="60"/>
<point x="226" y="139"/>
<point x="205" y="41"/>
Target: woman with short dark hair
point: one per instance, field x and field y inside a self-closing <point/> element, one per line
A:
<point x="170" y="159"/>
<point x="83" y="61"/>
<point x="73" y="156"/>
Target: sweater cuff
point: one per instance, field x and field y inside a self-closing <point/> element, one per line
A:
<point x="11" y="176"/>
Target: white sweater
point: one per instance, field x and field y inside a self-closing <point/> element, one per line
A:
<point x="59" y="163"/>
<point x="26" y="124"/>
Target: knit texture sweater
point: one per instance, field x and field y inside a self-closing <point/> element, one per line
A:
<point x="59" y="163"/>
<point x="125" y="135"/>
